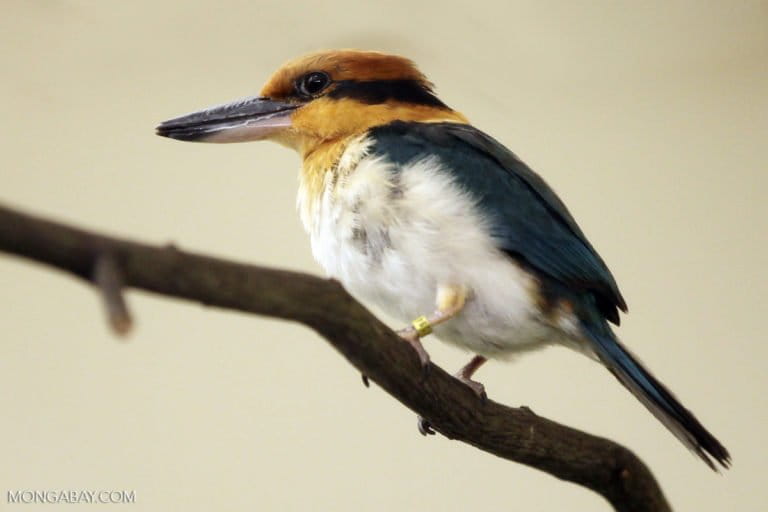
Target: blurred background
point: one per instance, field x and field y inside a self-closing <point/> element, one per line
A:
<point x="650" y="119"/>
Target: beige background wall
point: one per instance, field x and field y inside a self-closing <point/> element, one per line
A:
<point x="649" y="118"/>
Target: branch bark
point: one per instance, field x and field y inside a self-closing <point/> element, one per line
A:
<point x="516" y="434"/>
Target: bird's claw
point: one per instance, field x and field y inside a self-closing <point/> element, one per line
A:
<point x="425" y="428"/>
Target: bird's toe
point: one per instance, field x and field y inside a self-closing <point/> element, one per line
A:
<point x="475" y="386"/>
<point x="425" y="428"/>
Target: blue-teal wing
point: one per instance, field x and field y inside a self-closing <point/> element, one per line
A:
<point x="528" y="220"/>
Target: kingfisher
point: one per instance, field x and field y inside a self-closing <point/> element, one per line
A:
<point x="417" y="212"/>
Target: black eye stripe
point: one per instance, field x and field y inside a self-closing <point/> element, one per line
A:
<point x="371" y="92"/>
<point x="379" y="91"/>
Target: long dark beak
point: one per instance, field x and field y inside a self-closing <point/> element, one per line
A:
<point x="243" y="120"/>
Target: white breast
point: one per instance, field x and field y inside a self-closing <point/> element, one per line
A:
<point x="392" y="235"/>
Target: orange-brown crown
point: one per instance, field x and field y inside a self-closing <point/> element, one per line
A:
<point x="343" y="65"/>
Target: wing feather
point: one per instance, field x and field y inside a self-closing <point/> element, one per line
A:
<point x="528" y="220"/>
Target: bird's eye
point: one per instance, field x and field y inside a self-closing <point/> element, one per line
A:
<point x="312" y="83"/>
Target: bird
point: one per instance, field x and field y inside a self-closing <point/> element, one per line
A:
<point x="436" y="223"/>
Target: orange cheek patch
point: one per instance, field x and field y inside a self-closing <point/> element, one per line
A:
<point x="324" y="118"/>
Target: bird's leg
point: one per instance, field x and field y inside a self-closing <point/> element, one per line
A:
<point x="465" y="375"/>
<point x="450" y="301"/>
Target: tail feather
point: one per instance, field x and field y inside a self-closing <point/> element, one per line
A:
<point x="655" y="396"/>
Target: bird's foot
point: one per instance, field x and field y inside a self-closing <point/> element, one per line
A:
<point x="465" y="376"/>
<point x="425" y="427"/>
<point x="475" y="386"/>
<point x="410" y="335"/>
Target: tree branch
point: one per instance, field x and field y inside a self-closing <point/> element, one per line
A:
<point x="452" y="408"/>
<point x="109" y="280"/>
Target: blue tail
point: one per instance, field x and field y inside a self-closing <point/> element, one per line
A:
<point x="652" y="393"/>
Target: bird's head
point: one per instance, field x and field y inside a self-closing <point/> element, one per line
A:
<point x="319" y="101"/>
